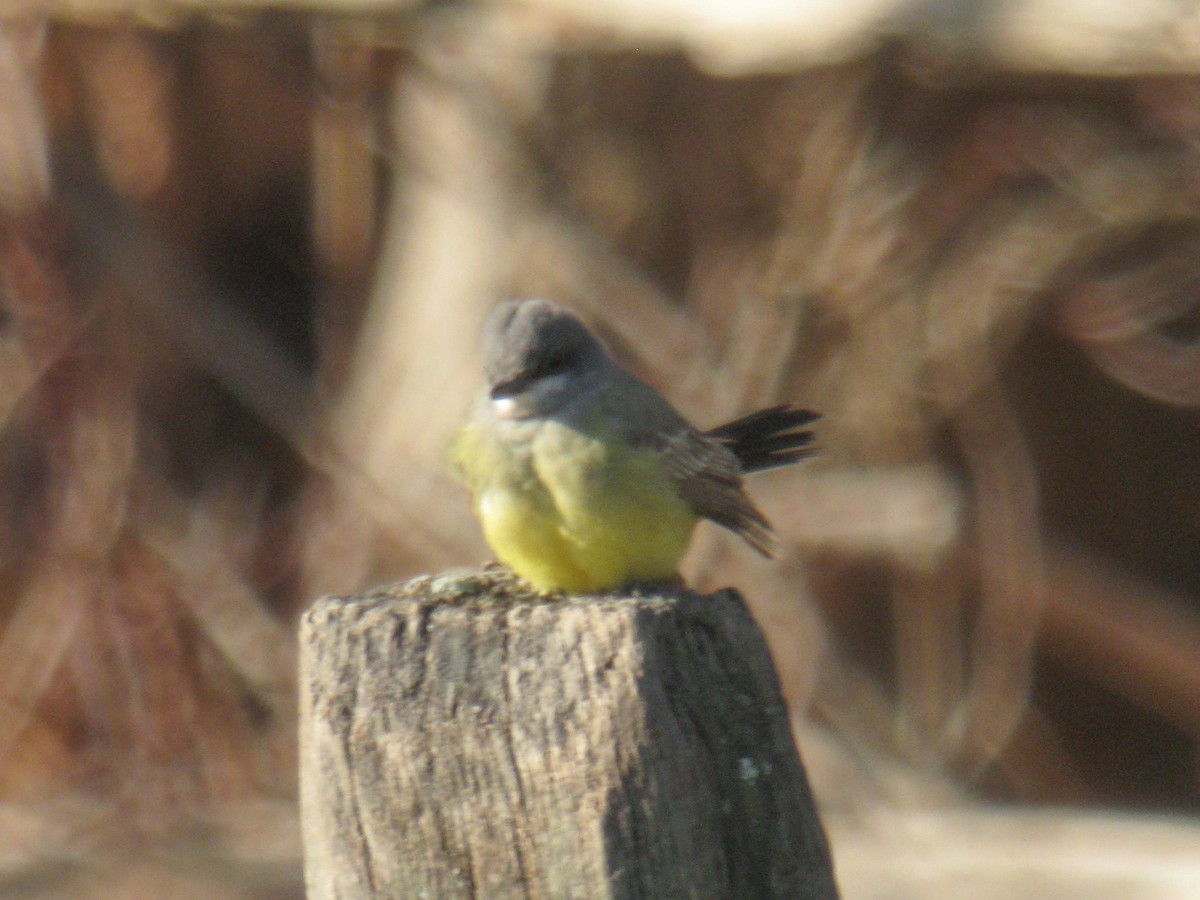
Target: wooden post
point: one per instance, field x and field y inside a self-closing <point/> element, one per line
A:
<point x="463" y="738"/>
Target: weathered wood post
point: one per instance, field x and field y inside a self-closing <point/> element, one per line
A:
<point x="461" y="738"/>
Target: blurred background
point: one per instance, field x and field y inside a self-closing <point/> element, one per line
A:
<point x="244" y="254"/>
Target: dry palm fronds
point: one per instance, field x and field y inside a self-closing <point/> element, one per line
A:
<point x="238" y="325"/>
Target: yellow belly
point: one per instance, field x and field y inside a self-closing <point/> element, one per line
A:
<point x="575" y="514"/>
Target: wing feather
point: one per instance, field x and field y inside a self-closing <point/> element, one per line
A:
<point x="705" y="470"/>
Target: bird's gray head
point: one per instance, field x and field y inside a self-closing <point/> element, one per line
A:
<point x="538" y="356"/>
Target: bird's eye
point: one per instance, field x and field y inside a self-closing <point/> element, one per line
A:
<point x="552" y="365"/>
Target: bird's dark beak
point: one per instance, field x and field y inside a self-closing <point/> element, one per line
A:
<point x="510" y="388"/>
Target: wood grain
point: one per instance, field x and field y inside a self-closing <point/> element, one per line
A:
<point x="464" y="738"/>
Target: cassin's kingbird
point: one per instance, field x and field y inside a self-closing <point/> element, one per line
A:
<point x="583" y="477"/>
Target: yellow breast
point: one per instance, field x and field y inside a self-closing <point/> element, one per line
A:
<point x="575" y="511"/>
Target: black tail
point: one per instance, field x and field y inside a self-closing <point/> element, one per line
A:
<point x="768" y="438"/>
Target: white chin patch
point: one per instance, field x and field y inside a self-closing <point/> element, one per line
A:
<point x="505" y="407"/>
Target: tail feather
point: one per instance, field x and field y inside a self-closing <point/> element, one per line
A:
<point x="769" y="438"/>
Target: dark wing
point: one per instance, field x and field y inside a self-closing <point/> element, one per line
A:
<point x="705" y="469"/>
<point x="710" y="480"/>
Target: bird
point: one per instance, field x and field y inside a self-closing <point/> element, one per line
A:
<point x="584" y="478"/>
